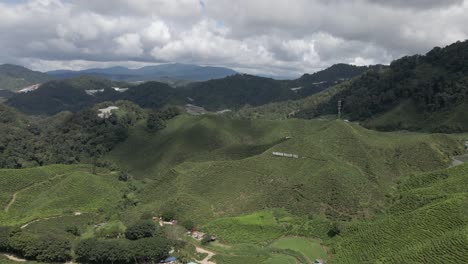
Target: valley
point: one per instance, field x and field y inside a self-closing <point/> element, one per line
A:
<point x="218" y="173"/>
<point x="237" y="169"/>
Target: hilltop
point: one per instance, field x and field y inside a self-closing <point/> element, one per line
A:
<point x="232" y="92"/>
<point x="14" y="77"/>
<point x="82" y="92"/>
<point x="174" y="72"/>
<point x="420" y="92"/>
<point x="213" y="166"/>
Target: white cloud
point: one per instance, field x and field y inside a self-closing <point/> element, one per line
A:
<point x="129" y="45"/>
<point x="285" y="37"/>
<point x="157" y="33"/>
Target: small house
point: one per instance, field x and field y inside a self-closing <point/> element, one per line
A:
<point x="106" y="112"/>
<point x="170" y="260"/>
<point x="197" y="235"/>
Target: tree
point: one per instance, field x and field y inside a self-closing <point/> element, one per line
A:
<point x="150" y="249"/>
<point x="124" y="176"/>
<point x="47" y="247"/>
<point x="206" y="239"/>
<point x="168" y="215"/>
<point x="334" y="230"/>
<point x="145" y="250"/>
<point x="5" y="233"/>
<point x="74" y="230"/>
<point x="155" y="122"/>
<point x="96" y="153"/>
<point x="141" y="229"/>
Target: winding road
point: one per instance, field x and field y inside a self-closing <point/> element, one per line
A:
<point x="13" y="197"/>
<point x="206" y="260"/>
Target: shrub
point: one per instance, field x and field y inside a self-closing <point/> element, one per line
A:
<point x="334" y="230"/>
<point x="141" y="229"/>
<point x="74" y="230"/>
<point x="206" y="239"/>
<point x="5" y="233"/>
<point x="168" y="215"/>
<point x="124" y="176"/>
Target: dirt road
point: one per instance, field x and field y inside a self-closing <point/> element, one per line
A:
<point x="459" y="160"/>
<point x="13" y="258"/>
<point x="207" y="259"/>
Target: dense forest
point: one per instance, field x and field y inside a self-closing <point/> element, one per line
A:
<point x="436" y="82"/>
<point x="233" y="92"/>
<point x="70" y="95"/>
<point x="68" y="138"/>
<point x="238" y="90"/>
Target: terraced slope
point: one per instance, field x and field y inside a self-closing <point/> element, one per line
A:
<point x="426" y="222"/>
<point x="30" y="194"/>
<point x="343" y="170"/>
<point x="189" y="138"/>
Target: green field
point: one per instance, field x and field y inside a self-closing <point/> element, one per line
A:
<point x="208" y="167"/>
<point x="267" y="237"/>
<point x="281" y="259"/>
<point x="427" y="219"/>
<point x="43" y="192"/>
<point x="384" y="190"/>
<point x="311" y="249"/>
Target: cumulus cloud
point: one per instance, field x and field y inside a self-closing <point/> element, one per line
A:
<point x="274" y="37"/>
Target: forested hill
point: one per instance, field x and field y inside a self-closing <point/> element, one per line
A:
<point x="336" y="72"/>
<point x="233" y="92"/>
<point x="238" y="90"/>
<point x="71" y="95"/>
<point x="426" y="92"/>
<point x="14" y="77"/>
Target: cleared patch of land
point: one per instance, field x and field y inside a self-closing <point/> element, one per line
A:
<point x="311" y="249"/>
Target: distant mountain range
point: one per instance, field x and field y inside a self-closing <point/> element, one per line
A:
<point x="163" y="72"/>
<point x="232" y="92"/>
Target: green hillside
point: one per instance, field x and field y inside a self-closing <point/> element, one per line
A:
<point x="286" y="109"/>
<point x="13" y="77"/>
<point x="377" y="191"/>
<point x="55" y="190"/>
<point x="426" y="221"/>
<point x="211" y="166"/>
<point x="421" y="92"/>
<point x="232" y="92"/>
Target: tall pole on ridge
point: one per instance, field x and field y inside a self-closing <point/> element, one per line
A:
<point x="339" y="109"/>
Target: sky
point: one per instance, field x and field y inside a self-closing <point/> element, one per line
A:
<point x="266" y="37"/>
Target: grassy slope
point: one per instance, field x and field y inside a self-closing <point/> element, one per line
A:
<point x="54" y="190"/>
<point x="427" y="221"/>
<point x="281" y="110"/>
<point x="344" y="169"/>
<point x="309" y="248"/>
<point x="188" y="138"/>
<point x="406" y="116"/>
